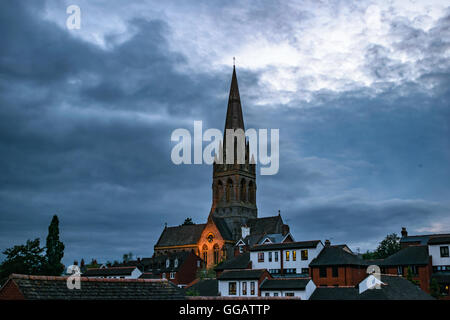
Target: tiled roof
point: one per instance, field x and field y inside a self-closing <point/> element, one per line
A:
<point x="180" y="235"/>
<point x="439" y="240"/>
<point x="149" y="275"/>
<point x="265" y="225"/>
<point x="221" y="224"/>
<point x="159" y="262"/>
<point x="284" y="284"/>
<point x="424" y="238"/>
<point x="412" y="255"/>
<point x="251" y="274"/>
<point x="55" y="288"/>
<point x="111" y="271"/>
<point x="239" y="262"/>
<point x="395" y="288"/>
<point x="336" y="255"/>
<point x="205" y="288"/>
<point x="286" y="245"/>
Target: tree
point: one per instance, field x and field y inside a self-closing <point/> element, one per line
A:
<point x="388" y="246"/>
<point x="127" y="257"/>
<point x="434" y="289"/>
<point x="25" y="259"/>
<point x="187" y="221"/>
<point x="55" y="249"/>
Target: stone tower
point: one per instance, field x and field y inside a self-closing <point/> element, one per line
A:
<point x="234" y="184"/>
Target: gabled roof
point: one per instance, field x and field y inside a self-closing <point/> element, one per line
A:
<point x="286" y="245"/>
<point x="395" y="288"/>
<point x="439" y="240"/>
<point x="223" y="228"/>
<point x="274" y="237"/>
<point x="241" y="261"/>
<point x="111" y="271"/>
<point x="336" y="256"/>
<point x="159" y="262"/>
<point x="284" y="284"/>
<point x="55" y="288"/>
<point x="180" y="235"/>
<point x="250" y="274"/>
<point x="265" y="225"/>
<point x="423" y="239"/>
<point x="412" y="255"/>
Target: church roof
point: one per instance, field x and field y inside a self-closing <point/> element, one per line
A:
<point x="223" y="228"/>
<point x="180" y="235"/>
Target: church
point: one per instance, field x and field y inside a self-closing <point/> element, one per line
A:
<point x="233" y="223"/>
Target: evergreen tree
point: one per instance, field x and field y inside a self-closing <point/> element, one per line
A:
<point x="187" y="221"/>
<point x="55" y="249"/>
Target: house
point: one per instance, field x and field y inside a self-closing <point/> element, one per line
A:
<point x="337" y="266"/>
<point x="438" y="248"/>
<point x="26" y="287"/>
<point x="239" y="262"/>
<point x="286" y="258"/>
<point x="302" y="288"/>
<point x="203" y="288"/>
<point x="392" y="288"/>
<point x="414" y="258"/>
<point x="242" y="283"/>
<point x="113" y="273"/>
<point x="178" y="267"/>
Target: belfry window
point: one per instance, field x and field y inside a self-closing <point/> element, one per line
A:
<point x="216" y="254"/>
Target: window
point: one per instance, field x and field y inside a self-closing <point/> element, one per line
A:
<point x="413" y="270"/>
<point x="216" y="253"/>
<point x="244" y="288"/>
<point x="444" y="252"/>
<point x="252" y="288"/>
<point x="172" y="275"/>
<point x="274" y="271"/>
<point x="260" y="256"/>
<point x="294" y="255"/>
<point x="305" y="270"/>
<point x="176" y="263"/>
<point x="289" y="294"/>
<point x="335" y="272"/>
<point x="400" y="270"/>
<point x="323" y="272"/>
<point x="241" y="249"/>
<point x="276" y="256"/>
<point x="267" y="294"/>
<point x="163" y="275"/>
<point x="275" y="294"/>
<point x="232" y="288"/>
<point x="167" y="263"/>
<point x="270" y="256"/>
<point x="287" y="255"/>
<point x="304" y="254"/>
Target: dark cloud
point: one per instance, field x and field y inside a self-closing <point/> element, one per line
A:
<point x="85" y="133"/>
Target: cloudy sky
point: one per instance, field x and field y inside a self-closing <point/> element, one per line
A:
<point x="359" y="91"/>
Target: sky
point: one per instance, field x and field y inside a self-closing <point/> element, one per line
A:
<point x="358" y="89"/>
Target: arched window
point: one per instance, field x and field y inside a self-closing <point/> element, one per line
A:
<point x="243" y="191"/>
<point x="216" y="254"/>
<point x="167" y="263"/>
<point x="251" y="192"/>
<point x="219" y="190"/>
<point x="205" y="254"/>
<point x="229" y="190"/>
<point x="176" y="263"/>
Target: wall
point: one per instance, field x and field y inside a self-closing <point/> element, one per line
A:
<point x="423" y="275"/>
<point x="10" y="291"/>
<point x="223" y="288"/>
<point x="435" y="252"/>
<point x="302" y="294"/>
<point x="347" y="276"/>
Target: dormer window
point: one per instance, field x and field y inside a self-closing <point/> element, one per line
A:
<point x="167" y="263"/>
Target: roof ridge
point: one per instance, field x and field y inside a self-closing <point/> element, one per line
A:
<point x="61" y="278"/>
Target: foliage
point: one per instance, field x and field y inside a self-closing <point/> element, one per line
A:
<point x="192" y="292"/>
<point x="434" y="289"/>
<point x="54" y="249"/>
<point x="206" y="273"/>
<point x="387" y="247"/>
<point x="187" y="221"/>
<point x="24" y="259"/>
<point x="127" y="257"/>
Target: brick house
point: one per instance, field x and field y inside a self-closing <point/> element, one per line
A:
<point x="337" y="266"/>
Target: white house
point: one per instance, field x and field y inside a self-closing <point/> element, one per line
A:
<point x="302" y="288"/>
<point x="288" y="258"/>
<point x="438" y="248"/>
<point x="241" y="283"/>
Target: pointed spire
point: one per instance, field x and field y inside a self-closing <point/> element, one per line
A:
<point x="234" y="119"/>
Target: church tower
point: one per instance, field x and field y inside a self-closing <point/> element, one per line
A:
<point x="234" y="184"/>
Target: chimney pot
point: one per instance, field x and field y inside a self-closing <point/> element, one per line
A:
<point x="327" y="243"/>
<point x="404" y="232"/>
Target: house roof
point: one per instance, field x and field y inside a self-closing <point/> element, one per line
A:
<point x="439" y="240"/>
<point x="55" y="288"/>
<point x="395" y="288"/>
<point x="159" y="262"/>
<point x="284" y="284"/>
<point x="441" y="277"/>
<point x="238" y="262"/>
<point x="423" y="239"/>
<point x="110" y="271"/>
<point x="412" y="255"/>
<point x="336" y="255"/>
<point x="205" y="288"/>
<point x="180" y="235"/>
<point x="286" y="245"/>
<point x="148" y="275"/>
<point x="222" y="226"/>
<point x="265" y="225"/>
<point x="251" y="274"/>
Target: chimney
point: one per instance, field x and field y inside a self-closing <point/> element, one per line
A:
<point x="327" y="243"/>
<point x="404" y="232"/>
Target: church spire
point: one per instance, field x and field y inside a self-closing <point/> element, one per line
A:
<point x="234" y="119"/>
